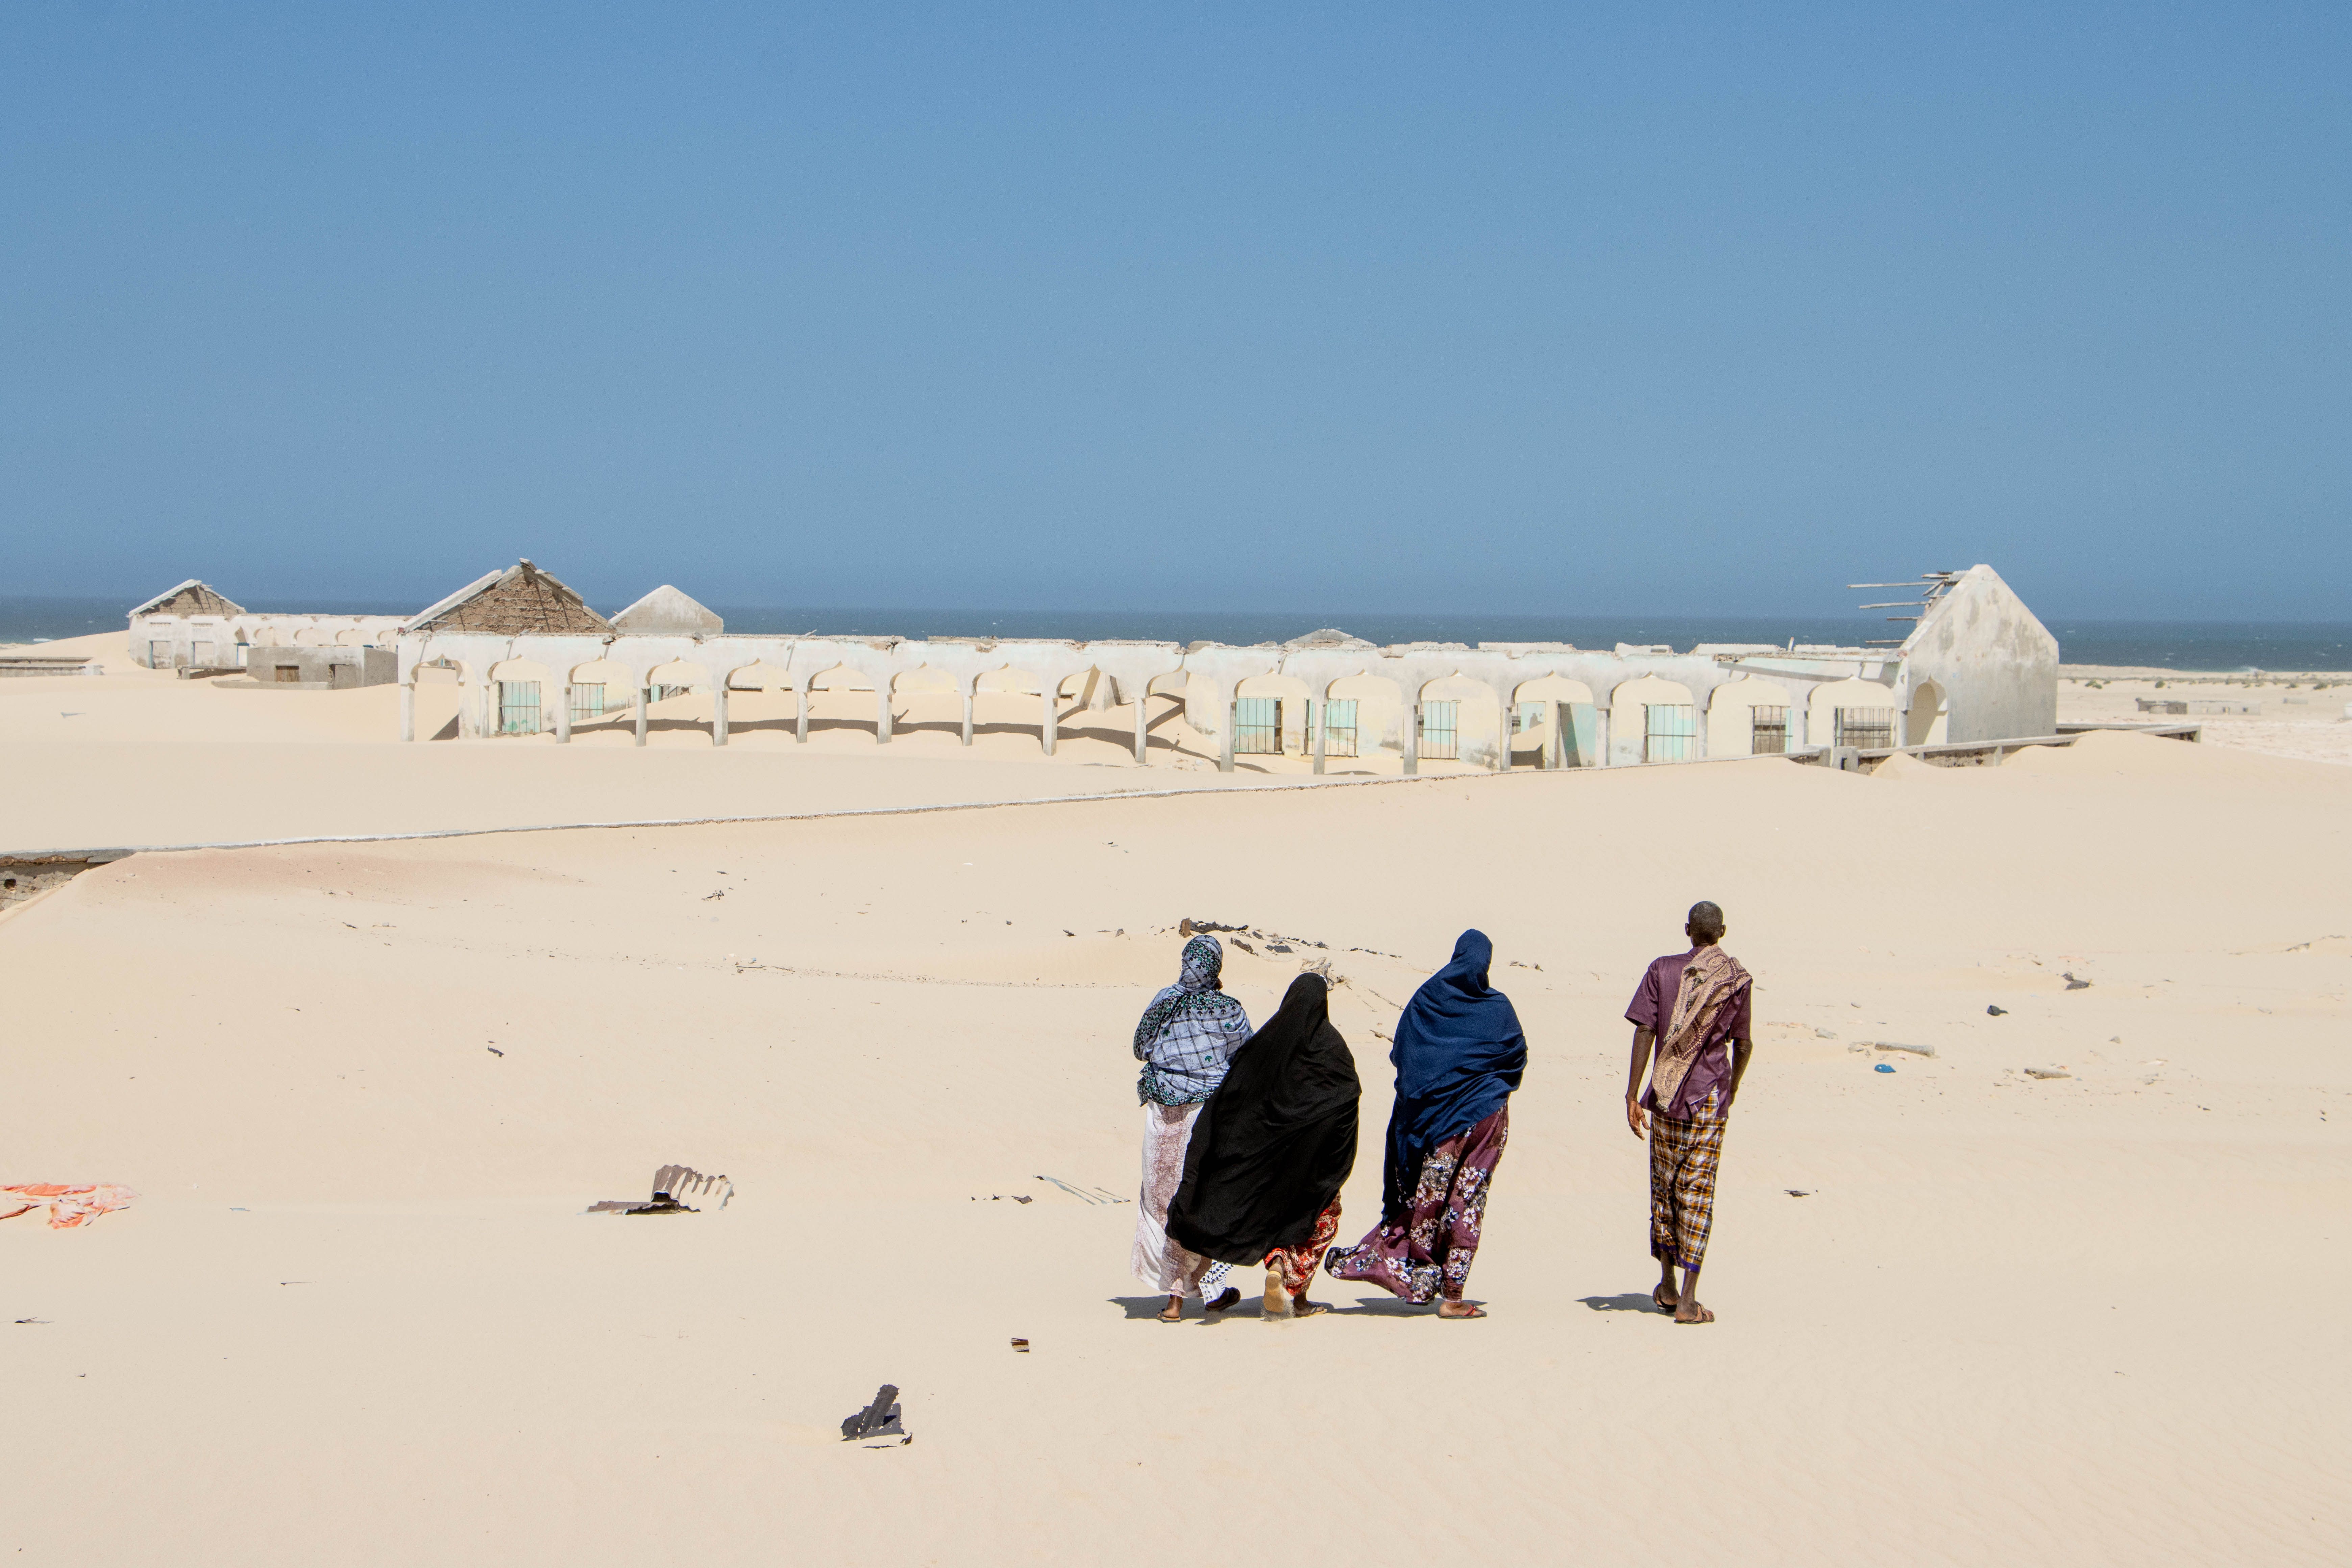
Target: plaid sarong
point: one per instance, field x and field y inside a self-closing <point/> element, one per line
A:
<point x="1683" y="1157"/>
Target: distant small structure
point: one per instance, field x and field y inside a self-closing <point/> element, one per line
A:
<point x="196" y="626"/>
<point x="666" y="612"/>
<point x="332" y="669"/>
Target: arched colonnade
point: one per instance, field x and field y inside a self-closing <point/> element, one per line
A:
<point x="1572" y="708"/>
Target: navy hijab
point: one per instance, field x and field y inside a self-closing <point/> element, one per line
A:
<point x="1459" y="1053"/>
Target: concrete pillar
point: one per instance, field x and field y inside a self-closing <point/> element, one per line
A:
<point x="1315" y="723"/>
<point x="1600" y="734"/>
<point x="1702" y="715"/>
<point x="645" y="703"/>
<point x="1800" y="708"/>
<point x="408" y="711"/>
<point x="1050" y="725"/>
<point x="563" y="713"/>
<point x="1555" y="752"/>
<point x="882" y="713"/>
<point x="800" y="726"/>
<point x="1412" y="736"/>
<point x="718" y="712"/>
<point x="967" y="716"/>
<point x="1143" y="724"/>
<point x="1510" y="719"/>
<point x="1225" y="741"/>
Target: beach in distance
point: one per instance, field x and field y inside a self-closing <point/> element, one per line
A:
<point x="2058" y="1288"/>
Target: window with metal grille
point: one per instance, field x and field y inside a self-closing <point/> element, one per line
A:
<point x="1667" y="731"/>
<point x="1441" y="735"/>
<point x="1768" y="731"/>
<point x="1865" y="727"/>
<point x="1339" y="728"/>
<point x="1257" y="725"/>
<point x="518" y="707"/>
<point x="587" y="702"/>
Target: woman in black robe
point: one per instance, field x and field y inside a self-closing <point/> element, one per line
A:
<point x="1272" y="1149"/>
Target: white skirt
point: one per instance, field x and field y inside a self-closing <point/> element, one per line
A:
<point x="1168" y="1268"/>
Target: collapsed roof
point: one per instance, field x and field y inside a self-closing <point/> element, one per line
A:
<point x="521" y="601"/>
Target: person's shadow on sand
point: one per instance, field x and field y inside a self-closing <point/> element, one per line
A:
<point x="1139" y="1307"/>
<point x="1628" y="1302"/>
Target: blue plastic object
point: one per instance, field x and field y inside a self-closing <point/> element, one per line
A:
<point x="1885" y="1066"/>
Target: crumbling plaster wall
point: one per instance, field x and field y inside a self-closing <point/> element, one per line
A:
<point x="1997" y="664"/>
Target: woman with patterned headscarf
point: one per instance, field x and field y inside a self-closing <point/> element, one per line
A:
<point x="1185" y="1039"/>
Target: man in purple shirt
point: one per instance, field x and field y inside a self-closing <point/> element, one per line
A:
<point x="1693" y="1007"/>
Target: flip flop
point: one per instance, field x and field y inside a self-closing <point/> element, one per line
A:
<point x="1461" y="1317"/>
<point x="1172" y="1314"/>
<point x="1658" y="1299"/>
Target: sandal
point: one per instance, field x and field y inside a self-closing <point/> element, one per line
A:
<point x="1474" y="1311"/>
<point x="1173" y="1313"/>
<point x="1658" y="1300"/>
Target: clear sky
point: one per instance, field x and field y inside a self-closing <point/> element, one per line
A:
<point x="1700" y="308"/>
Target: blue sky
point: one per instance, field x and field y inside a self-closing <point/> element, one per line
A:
<point x="1698" y="308"/>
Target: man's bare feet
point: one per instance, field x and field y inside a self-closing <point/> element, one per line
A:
<point x="1229" y="1297"/>
<point x="1277" y="1295"/>
<point x="1300" y="1307"/>
<point x="1174" y="1311"/>
<point x="1460" y="1310"/>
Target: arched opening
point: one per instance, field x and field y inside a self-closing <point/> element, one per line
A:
<point x="1554" y="723"/>
<point x="519" y="698"/>
<point x="926" y="700"/>
<point x="1363" y="717"/>
<point x="350" y="637"/>
<point x="1749" y="718"/>
<point x="1652" y="720"/>
<point x="762" y="700"/>
<point x="443" y="687"/>
<point x="1461" y="720"/>
<point x="678" y="696"/>
<point x="1270" y="717"/>
<point x="1851" y="713"/>
<point x="1926" y="722"/>
<point x="602" y="694"/>
<point x="842" y="698"/>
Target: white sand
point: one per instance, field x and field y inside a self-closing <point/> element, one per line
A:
<point x="357" y="1317"/>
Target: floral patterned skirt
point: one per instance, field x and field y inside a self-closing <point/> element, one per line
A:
<point x="1428" y="1253"/>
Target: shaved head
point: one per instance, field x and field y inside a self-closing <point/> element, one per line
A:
<point x="1705" y="922"/>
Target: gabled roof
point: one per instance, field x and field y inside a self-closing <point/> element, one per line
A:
<point x="668" y="611"/>
<point x="521" y="601"/>
<point x="1326" y="636"/>
<point x="190" y="598"/>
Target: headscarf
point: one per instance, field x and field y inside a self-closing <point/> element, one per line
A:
<point x="1192" y="1006"/>
<point x="1459" y="1052"/>
<point x="1275" y="1144"/>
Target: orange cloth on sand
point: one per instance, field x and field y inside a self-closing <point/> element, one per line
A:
<point x="69" y="1206"/>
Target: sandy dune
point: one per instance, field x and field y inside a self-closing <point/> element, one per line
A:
<point x="357" y="1315"/>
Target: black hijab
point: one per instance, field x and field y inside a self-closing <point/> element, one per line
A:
<point x="1274" y="1145"/>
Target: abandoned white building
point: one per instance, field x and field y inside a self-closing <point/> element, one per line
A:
<point x="194" y="626"/>
<point x="533" y="658"/>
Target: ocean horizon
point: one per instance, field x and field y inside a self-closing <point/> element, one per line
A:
<point x="2194" y="647"/>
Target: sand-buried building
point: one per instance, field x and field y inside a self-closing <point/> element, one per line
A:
<point x="533" y="658"/>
